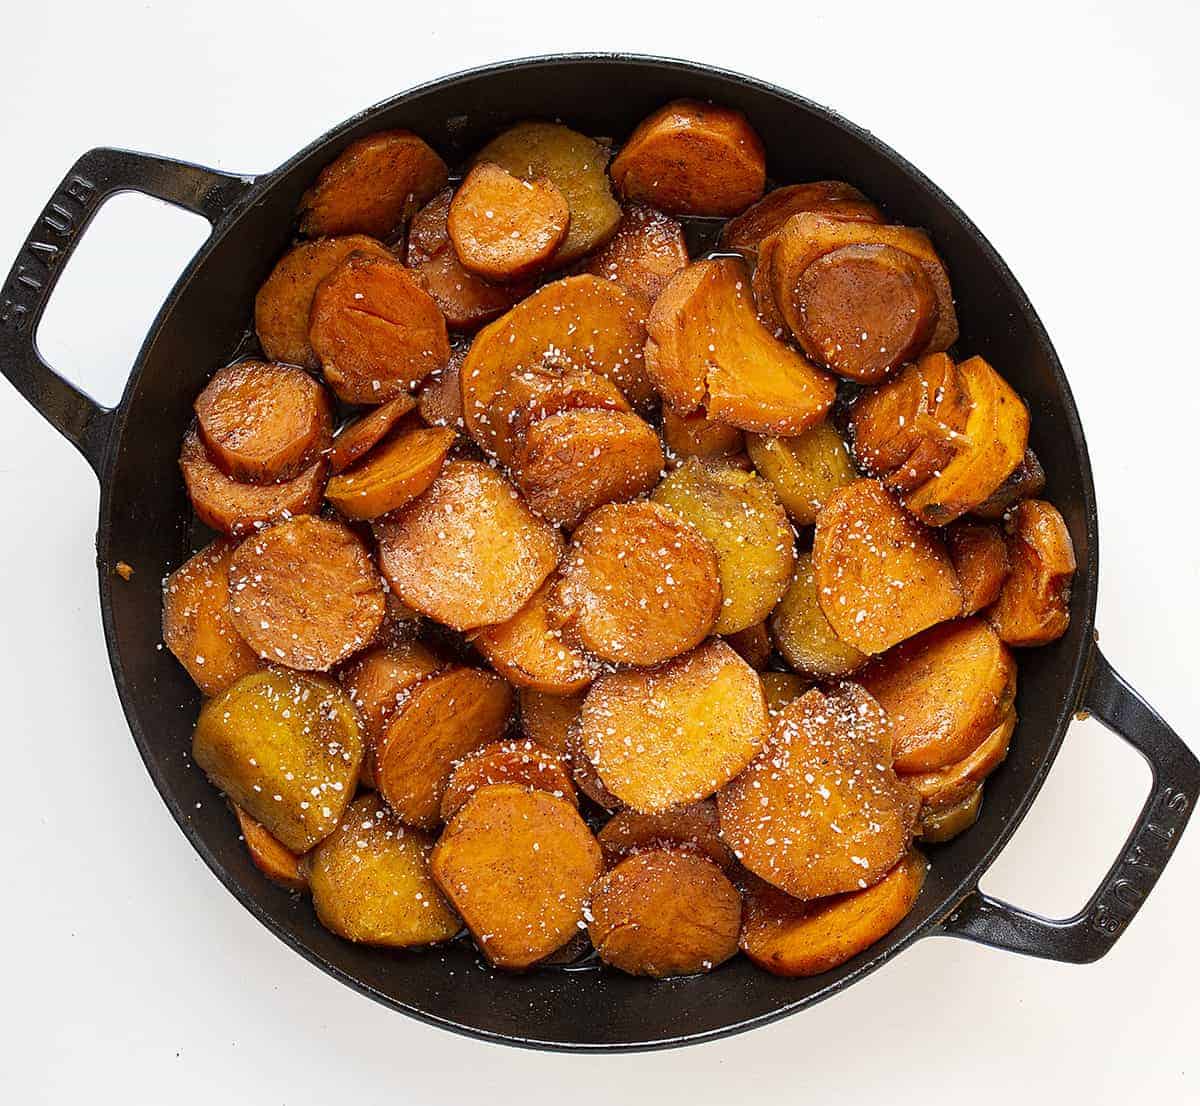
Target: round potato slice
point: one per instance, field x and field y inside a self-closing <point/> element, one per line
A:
<point x="647" y="250"/>
<point x="392" y="475"/>
<point x="955" y="783"/>
<point x="371" y="882"/>
<point x="305" y="593"/>
<point x="520" y="762"/>
<point x="676" y="733"/>
<point x="441" y="394"/>
<point x="442" y="719"/>
<point x="278" y="863"/>
<point x="638" y="585"/>
<point x="1034" y="607"/>
<point x="546" y="719"/>
<point x="805" y="470"/>
<point x="691" y="828"/>
<point x="587" y="779"/>
<point x="792" y="938"/>
<point x="517" y="864"/>
<point x="467" y="552"/>
<point x="665" y="913"/>
<point x="356" y="439"/>
<point x="980" y="561"/>
<point x="803" y="634"/>
<point x="696" y="435"/>
<point x="780" y="688"/>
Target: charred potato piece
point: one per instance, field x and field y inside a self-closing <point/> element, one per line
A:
<point x="949" y="786"/>
<point x="648" y="249"/>
<point x="804" y="470"/>
<point x="693" y="828"/>
<point x="392" y="475"/>
<point x="356" y="439"/>
<point x="1026" y="481"/>
<point x="980" y="562"/>
<point x="780" y="688"/>
<point x="753" y="644"/>
<point x="941" y="824"/>
<point x="546" y="719"/>
<point x="696" y="435"/>
<point x="803" y="634"/>
<point x="1034" y="607"/>
<point x="520" y="762"/>
<point x="277" y="862"/>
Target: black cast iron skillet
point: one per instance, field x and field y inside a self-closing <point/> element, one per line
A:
<point x="144" y="521"/>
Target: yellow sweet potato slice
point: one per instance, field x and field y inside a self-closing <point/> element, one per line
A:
<point x="820" y="810"/>
<point x="665" y="913"/>
<point x="277" y="862"/>
<point x="520" y="762"/>
<point x="740" y="514"/>
<point x="944" y="692"/>
<point x="692" y="828"/>
<point x="284" y="302"/>
<point x="706" y="347"/>
<point x="753" y="644"/>
<point x="371" y="881"/>
<point x="1026" y="481"/>
<point x="375" y="330"/>
<point x="357" y="438"/>
<point x="467" y="552"/>
<point x="392" y="475"/>
<point x="780" y="688"/>
<point x="692" y="158"/>
<point x="941" y="824"/>
<point x="648" y="249"/>
<point x="442" y="718"/>
<point x="696" y="435"/>
<point x="196" y="624"/>
<point x="804" y="470"/>
<point x="675" y="733"/>
<point x="880" y="576"/>
<point x="788" y="937"/>
<point x="980" y="562"/>
<point x="1035" y="603"/>
<point x="575" y="164"/>
<point x="371" y="185"/>
<point x="803" y="634"/>
<point x="638" y="584"/>
<point x="517" y="864"/>
<point x="546" y="719"/>
<point x="285" y="747"/>
<point x="949" y="786"/>
<point x="305" y="593"/>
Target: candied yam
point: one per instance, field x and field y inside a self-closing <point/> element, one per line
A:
<point x="948" y="786"/>
<point x="546" y="719"/>
<point x="804" y="470"/>
<point x="944" y="692"/>
<point x="780" y="688"/>
<point x="820" y="810"/>
<point x="375" y="330"/>
<point x="788" y="937"/>
<point x="675" y="733"/>
<point x="648" y="249"/>
<point x="762" y="287"/>
<point x="371" y="185"/>
<point x="285" y="747"/>
<point x="1034" y="607"/>
<point x="1026" y="481"/>
<point x="284" y="302"/>
<point x="440" y="398"/>
<point x="196" y="624"/>
<point x="371" y="881"/>
<point x="442" y="718"/>
<point x="980" y="562"/>
<point x="517" y="864"/>
<point x="638" y="585"/>
<point x="692" y="158"/>
<point x="696" y="435"/>
<point x="665" y="913"/>
<point x="587" y="779"/>
<point x="753" y="644"/>
<point x="277" y="862"/>
<point x="881" y="577"/>
<point x="357" y="438"/>
<point x="520" y="762"/>
<point x="692" y="828"/>
<point x="391" y="475"/>
<point x="305" y="593"/>
<point x="941" y="824"/>
<point x="468" y="552"/>
<point x="707" y="347"/>
<point x="803" y="634"/>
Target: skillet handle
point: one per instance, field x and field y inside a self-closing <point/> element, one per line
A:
<point x="1088" y="935"/>
<point x="96" y="176"/>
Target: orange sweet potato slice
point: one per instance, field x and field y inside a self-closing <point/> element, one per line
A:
<point x="881" y="577"/>
<point x="945" y="787"/>
<point x="780" y="688"/>
<point x="587" y="779"/>
<point x="943" y="823"/>
<point x="546" y="719"/>
<point x="391" y="475"/>
<point x="638" y="585"/>
<point x="276" y="861"/>
<point x="696" y="435"/>
<point x="648" y="249"/>
<point x="467" y="552"/>
<point x="707" y="348"/>
<point x="375" y="330"/>
<point x="357" y="438"/>
<point x="692" y="158"/>
<point x="520" y="762"/>
<point x="517" y="864"/>
<point x="788" y="937"/>
<point x="753" y="644"/>
<point x="305" y="593"/>
<point x="440" y="399"/>
<point x="371" y="185"/>
<point x="1034" y="607"/>
<point x="692" y="828"/>
<point x="944" y="692"/>
<point x="196" y="624"/>
<point x="804" y="470"/>
<point x="803" y="633"/>
<point x="980" y="562"/>
<point x="442" y="718"/>
<point x="675" y="733"/>
<point x="1026" y="481"/>
<point x="820" y="810"/>
<point x="665" y="913"/>
<point x="762" y="286"/>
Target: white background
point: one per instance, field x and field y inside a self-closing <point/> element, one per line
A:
<point x="1068" y="131"/>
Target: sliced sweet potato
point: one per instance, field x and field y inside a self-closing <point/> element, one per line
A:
<point x="804" y="470"/>
<point x="305" y="593"/>
<point x="467" y="552"/>
<point x="980" y="562"/>
<point x="520" y="762"/>
<point x="803" y="634"/>
<point x="692" y="158"/>
<point x="587" y="779"/>
<point x="780" y="688"/>
<point x="1035" y="603"/>
<point x="1026" y="481"/>
<point x="753" y="644"/>
<point x="575" y="164"/>
<point x="375" y="330"/>
<point x="692" y="828"/>
<point x="788" y="937"/>
<point x="638" y="584"/>
<point x="442" y="718"/>
<point x="226" y="505"/>
<point x="371" y="185"/>
<point x="283" y="303"/>
<point x="941" y="824"/>
<point x="517" y="864"/>
<point x="546" y="719"/>
<point x="820" y="811"/>
<point x="647" y="250"/>
<point x="571" y="463"/>
<point x="357" y="438"/>
<point x="440" y="398"/>
<point x="504" y="228"/>
<point x="286" y="748"/>
<point x="675" y="733"/>
<point x="944" y="692"/>
<point x="371" y="881"/>
<point x="696" y="435"/>
<point x="762" y="286"/>
<point x="707" y="347"/>
<point x="949" y="786"/>
<point x="664" y="913"/>
<point x="880" y="576"/>
<point x="392" y="475"/>
<point x="196" y="625"/>
<point x="277" y="862"/>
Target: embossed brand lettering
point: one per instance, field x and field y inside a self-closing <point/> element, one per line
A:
<point x="80" y="189"/>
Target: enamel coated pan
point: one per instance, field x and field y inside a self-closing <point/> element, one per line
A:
<point x="144" y="520"/>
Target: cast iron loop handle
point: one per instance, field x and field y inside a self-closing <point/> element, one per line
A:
<point x="1088" y="935"/>
<point x="94" y="178"/>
